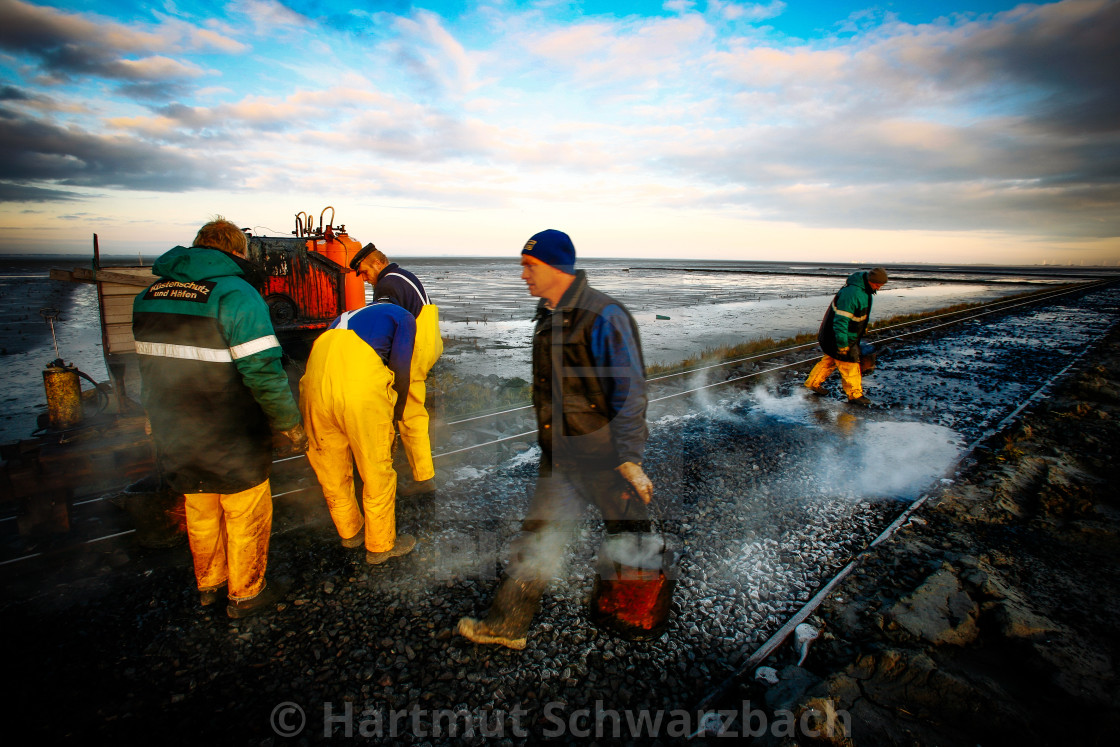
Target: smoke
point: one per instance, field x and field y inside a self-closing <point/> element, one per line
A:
<point x="863" y="454"/>
<point x="635" y="550"/>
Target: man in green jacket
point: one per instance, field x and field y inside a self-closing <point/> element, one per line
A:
<point x="215" y="391"/>
<point x="841" y="329"/>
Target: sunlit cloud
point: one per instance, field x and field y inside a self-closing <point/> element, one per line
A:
<point x="1001" y="122"/>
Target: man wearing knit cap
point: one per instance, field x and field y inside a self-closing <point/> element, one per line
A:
<point x="839" y="336"/>
<point x="589" y="393"/>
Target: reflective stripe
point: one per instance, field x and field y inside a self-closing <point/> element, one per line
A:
<point x="344" y="319"/>
<point x="186" y="352"/>
<point x="423" y="296"/>
<point x="245" y="349"/>
<point x="848" y="314"/>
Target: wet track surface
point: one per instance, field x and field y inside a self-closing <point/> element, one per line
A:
<point x="767" y="490"/>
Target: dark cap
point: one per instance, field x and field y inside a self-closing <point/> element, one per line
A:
<point x="554" y="248"/>
<point x="877" y="276"/>
<point x="364" y="252"/>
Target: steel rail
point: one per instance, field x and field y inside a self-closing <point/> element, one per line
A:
<point x="771" y="644"/>
<point x="992" y="308"/>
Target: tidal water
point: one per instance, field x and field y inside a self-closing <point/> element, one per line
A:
<point x="486" y="312"/>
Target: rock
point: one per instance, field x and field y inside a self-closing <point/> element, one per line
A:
<point x="938" y="611"/>
<point x="1015" y="620"/>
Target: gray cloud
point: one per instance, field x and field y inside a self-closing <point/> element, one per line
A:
<point x="68" y="45"/>
<point x="16" y="192"/>
<point x="1007" y="124"/>
<point x="11" y="93"/>
<point x="33" y="152"/>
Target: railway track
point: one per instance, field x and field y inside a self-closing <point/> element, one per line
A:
<point x="767" y="532"/>
<point x="503" y="431"/>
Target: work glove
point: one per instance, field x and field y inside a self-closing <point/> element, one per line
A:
<point x="638" y="480"/>
<point x="296" y="438"/>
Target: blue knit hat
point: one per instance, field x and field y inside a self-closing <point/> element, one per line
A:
<point x="554" y="248"/>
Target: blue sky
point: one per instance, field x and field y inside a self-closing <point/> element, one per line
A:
<point x="966" y="131"/>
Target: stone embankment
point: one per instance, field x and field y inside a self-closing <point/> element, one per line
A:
<point x="993" y="616"/>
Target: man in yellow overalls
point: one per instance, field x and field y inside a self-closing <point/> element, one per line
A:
<point x="355" y="386"/>
<point x="400" y="286"/>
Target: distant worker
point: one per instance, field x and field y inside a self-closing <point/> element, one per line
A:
<point x="215" y="392"/>
<point x="841" y="330"/>
<point x="589" y="393"/>
<point x="391" y="281"/>
<point x="354" y="388"/>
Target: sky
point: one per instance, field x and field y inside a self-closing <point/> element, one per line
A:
<point x="959" y="131"/>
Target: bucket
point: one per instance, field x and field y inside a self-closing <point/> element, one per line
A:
<point x="635" y="575"/>
<point x="158" y="513"/>
<point x="64" y="395"/>
<point x="867" y="354"/>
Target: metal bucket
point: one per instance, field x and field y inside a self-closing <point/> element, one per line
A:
<point x="64" y="395"/>
<point x="158" y="513"/>
<point x="867" y="353"/>
<point x="635" y="575"/>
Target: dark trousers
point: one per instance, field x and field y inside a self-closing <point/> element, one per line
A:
<point x="537" y="553"/>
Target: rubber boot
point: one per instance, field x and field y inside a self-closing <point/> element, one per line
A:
<point x="514" y="605"/>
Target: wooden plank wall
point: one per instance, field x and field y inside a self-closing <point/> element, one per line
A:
<point x="117" y="299"/>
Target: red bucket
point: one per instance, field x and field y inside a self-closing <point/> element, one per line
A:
<point x="635" y="575"/>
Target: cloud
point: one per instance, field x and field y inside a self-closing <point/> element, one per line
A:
<point x="269" y="16"/>
<point x="601" y="54"/>
<point x="34" y="152"/>
<point x="17" y="192"/>
<point x="747" y="11"/>
<point x="1005" y="123"/>
<point x="432" y="55"/>
<point x="71" y="44"/>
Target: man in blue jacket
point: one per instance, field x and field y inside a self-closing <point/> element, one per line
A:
<point x="215" y="392"/>
<point x="354" y="388"/>
<point x="589" y="394"/>
<point x="841" y="329"/>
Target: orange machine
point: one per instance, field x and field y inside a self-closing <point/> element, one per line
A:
<point x="307" y="280"/>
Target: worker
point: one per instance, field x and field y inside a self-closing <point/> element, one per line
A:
<point x="589" y="394"/>
<point x="215" y="392"/>
<point x="392" y="281"/>
<point x="841" y="330"/>
<point x="355" y="387"/>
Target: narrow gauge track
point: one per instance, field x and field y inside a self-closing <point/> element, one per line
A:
<point x="745" y="487"/>
<point x="671" y="385"/>
<point x="487" y="430"/>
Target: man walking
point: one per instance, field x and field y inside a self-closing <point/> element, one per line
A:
<point x="215" y="391"/>
<point x="589" y="394"/>
<point x="355" y="386"/>
<point x="391" y="281"/>
<point x="841" y="329"/>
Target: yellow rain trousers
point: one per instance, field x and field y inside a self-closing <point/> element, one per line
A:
<point x="414" y="424"/>
<point x="850" y="377"/>
<point x="229" y="539"/>
<point x="346" y="396"/>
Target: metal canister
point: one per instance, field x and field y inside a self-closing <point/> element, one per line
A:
<point x="635" y="575"/>
<point x="64" y="395"/>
